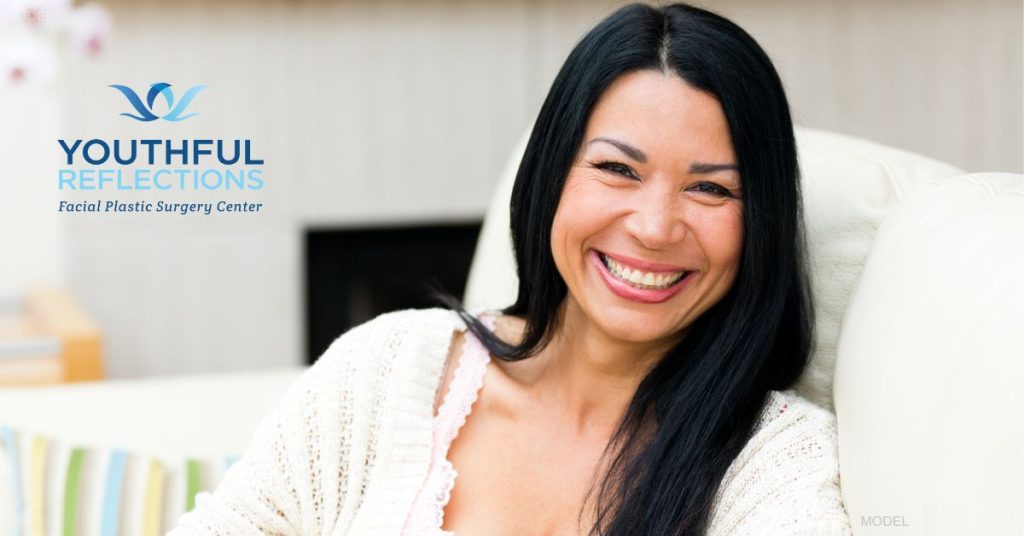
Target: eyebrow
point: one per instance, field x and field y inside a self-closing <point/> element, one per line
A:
<point x="632" y="152"/>
<point x="640" y="156"/>
<point x="700" y="168"/>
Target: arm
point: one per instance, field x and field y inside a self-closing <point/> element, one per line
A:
<point x="257" y="494"/>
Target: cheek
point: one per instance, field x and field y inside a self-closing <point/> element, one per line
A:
<point x="582" y="211"/>
<point x="559" y="238"/>
<point x="582" y="197"/>
<point x="721" y="237"/>
<point x="562" y="229"/>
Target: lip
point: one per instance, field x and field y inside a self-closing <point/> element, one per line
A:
<point x="642" y="295"/>
<point x="645" y="265"/>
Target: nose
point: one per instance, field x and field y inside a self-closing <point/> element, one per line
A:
<point x="655" y="220"/>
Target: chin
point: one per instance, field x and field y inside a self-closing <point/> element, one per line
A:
<point x="637" y="326"/>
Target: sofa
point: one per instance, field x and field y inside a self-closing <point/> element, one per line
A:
<point x="915" y="270"/>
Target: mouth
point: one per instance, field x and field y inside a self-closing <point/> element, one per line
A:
<point x="637" y="278"/>
<point x="648" y="284"/>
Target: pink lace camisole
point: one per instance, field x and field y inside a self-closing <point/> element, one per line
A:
<point x="427" y="514"/>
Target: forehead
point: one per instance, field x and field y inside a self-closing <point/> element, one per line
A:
<point x="662" y="114"/>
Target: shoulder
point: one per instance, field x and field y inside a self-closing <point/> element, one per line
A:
<point x="787" y="475"/>
<point x="398" y="324"/>
<point x="793" y="436"/>
<point x="786" y="413"/>
<point x="398" y="331"/>
<point x="404" y="346"/>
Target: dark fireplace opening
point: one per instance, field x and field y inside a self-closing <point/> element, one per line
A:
<point x="354" y="274"/>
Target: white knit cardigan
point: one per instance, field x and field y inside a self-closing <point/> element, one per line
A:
<point x="349" y="447"/>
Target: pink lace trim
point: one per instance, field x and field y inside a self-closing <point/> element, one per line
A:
<point x="427" y="515"/>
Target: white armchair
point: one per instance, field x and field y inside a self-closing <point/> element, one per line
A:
<point x="915" y="270"/>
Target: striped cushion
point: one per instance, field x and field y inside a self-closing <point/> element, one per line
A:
<point x="48" y="487"/>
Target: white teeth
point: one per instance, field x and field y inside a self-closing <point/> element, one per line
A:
<point x="638" y="278"/>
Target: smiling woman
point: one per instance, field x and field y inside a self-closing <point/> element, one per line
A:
<point x="641" y="209"/>
<point x="639" y="383"/>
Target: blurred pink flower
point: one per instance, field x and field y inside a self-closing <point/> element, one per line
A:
<point x="27" y="59"/>
<point x="88" y="29"/>
<point x="39" y="14"/>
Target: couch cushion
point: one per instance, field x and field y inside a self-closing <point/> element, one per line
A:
<point x="849" y="185"/>
<point x="928" y="378"/>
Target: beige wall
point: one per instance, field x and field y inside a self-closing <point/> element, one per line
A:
<point x="938" y="77"/>
<point x="32" y="237"/>
<point x="404" y="111"/>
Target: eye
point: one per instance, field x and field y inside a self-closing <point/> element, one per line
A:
<point x="616" y="167"/>
<point x="711" y="188"/>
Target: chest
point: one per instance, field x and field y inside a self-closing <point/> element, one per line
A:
<point x="519" y="477"/>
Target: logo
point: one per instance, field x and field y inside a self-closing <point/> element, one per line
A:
<point x="145" y="111"/>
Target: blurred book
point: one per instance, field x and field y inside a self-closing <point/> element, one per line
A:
<point x="46" y="338"/>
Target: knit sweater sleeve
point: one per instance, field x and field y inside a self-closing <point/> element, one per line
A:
<point x="289" y="480"/>
<point x="786" y="479"/>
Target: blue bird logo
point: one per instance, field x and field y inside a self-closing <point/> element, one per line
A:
<point x="145" y="111"/>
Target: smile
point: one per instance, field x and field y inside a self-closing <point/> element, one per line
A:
<point x="638" y="278"/>
<point x="650" y="283"/>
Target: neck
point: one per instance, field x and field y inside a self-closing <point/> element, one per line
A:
<point x="586" y="377"/>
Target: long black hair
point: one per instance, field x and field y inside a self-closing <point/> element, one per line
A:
<point x="697" y="407"/>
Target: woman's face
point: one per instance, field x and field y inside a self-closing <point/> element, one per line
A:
<point x="649" y="227"/>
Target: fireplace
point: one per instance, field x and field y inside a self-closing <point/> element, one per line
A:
<point x="354" y="274"/>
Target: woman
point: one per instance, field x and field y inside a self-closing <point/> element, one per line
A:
<point x="637" y="381"/>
